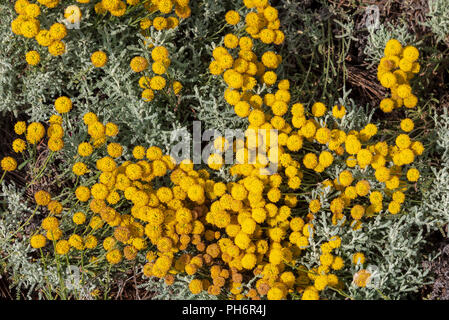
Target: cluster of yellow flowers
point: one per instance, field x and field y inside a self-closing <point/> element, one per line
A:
<point x="225" y="234"/>
<point x="161" y="7"/>
<point x="161" y="62"/>
<point x="395" y="70"/>
<point x="35" y="131"/>
<point x="162" y="11"/>
<point x="354" y="194"/>
<point x="28" y="25"/>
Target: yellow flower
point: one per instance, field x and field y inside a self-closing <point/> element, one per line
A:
<point x="120" y="10"/>
<point x="90" y="118"/>
<point x="82" y="193"/>
<point x="57" y="48"/>
<point x="35" y="132"/>
<point x="269" y="78"/>
<point x="8" y="164"/>
<point x="157" y="83"/>
<point x="345" y="178"/>
<point x="388" y="80"/>
<point x="76" y="242"/>
<point x="394" y="207"/>
<point x="50" y="223"/>
<point x="109" y="243"/>
<point x="90" y="242"/>
<point x="159" y="53"/>
<point x="79" y="168"/>
<point x="275" y="293"/>
<point x="160" y="23"/>
<point x="352" y="144"/>
<point x="393" y="47"/>
<point x="387" y="105"/>
<point x="410" y="101"/>
<point x="270" y="13"/>
<point x="139" y="64"/>
<point x="62" y="247"/>
<point x="410" y="53"/>
<point x="270" y="60"/>
<point x="111" y="129"/>
<point x="55" y="144"/>
<point x="362" y="187"/>
<point x="79" y="218"/>
<point x="20" y="6"/>
<point x="357" y="212"/>
<point x="20" y="127"/>
<point x="38" y="241"/>
<point x="231" y="41"/>
<point x="310" y="161"/>
<point x="18" y="145"/>
<point x="96" y="129"/>
<point x="320" y="282"/>
<point x="43" y="38"/>
<point x="196" y="286"/>
<point x="145" y="23"/>
<point x="147" y="95"/>
<point x="114" y="256"/>
<point x="30" y="28"/>
<point x="404" y="91"/>
<point x="42" y="198"/>
<point x="407" y="125"/>
<point x="159" y="68"/>
<point x="32" y="58"/>
<point x="310" y="294"/>
<point x="58" y="31"/>
<point x="63" y="104"/>
<point x="318" y="109"/>
<point x="99" y="59"/>
<point x="232" y="17"/>
<point x="55" y="131"/>
<point x="115" y="150"/>
<point x="55" y="207"/>
<point x="54" y="234"/>
<point x="412" y="175"/>
<point x="338" y="263"/>
<point x="215" y="161"/>
<point x="338" y="111"/>
<point x="85" y="149"/>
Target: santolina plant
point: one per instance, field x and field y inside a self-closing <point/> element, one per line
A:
<point x="258" y="234"/>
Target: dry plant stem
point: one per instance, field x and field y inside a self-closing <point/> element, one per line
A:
<point x="25" y="223"/>
<point x="3" y="175"/>
<point x="41" y="171"/>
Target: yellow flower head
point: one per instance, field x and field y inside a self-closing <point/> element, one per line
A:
<point x="99" y="59"/>
<point x="18" y="145"/>
<point x="139" y="64"/>
<point x="232" y="17"/>
<point x="63" y="104"/>
<point x="20" y="127"/>
<point x="35" y="132"/>
<point x="38" y="241"/>
<point x="8" y="164"/>
<point x="33" y="57"/>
